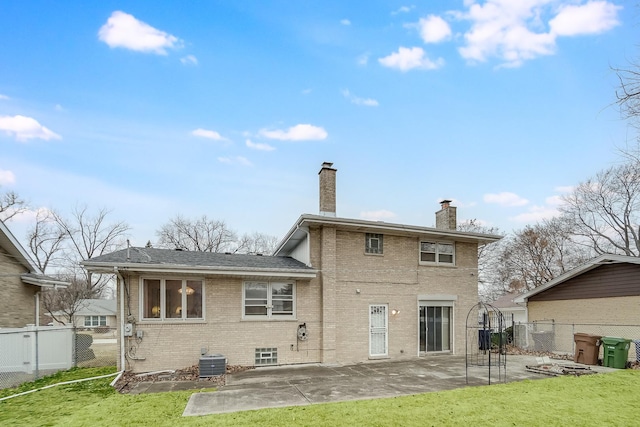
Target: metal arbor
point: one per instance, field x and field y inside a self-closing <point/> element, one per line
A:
<point x="486" y="341"/>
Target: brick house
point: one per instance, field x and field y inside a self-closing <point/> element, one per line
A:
<point x="336" y="290"/>
<point x="20" y="283"/>
<point x="600" y="297"/>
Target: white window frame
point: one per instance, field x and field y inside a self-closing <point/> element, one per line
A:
<point x="163" y="299"/>
<point x="437" y="261"/>
<point x="93" y="324"/>
<point x="269" y="305"/>
<point x="368" y="248"/>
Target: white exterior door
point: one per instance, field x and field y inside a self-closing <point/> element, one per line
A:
<point x="378" y="330"/>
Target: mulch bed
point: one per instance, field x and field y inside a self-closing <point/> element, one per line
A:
<point x="128" y="380"/>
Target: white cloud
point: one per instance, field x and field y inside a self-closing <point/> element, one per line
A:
<point x="403" y="9"/>
<point x="505" y="199"/>
<point x="238" y="160"/>
<point x="592" y="18"/>
<point x="516" y="31"/>
<point x="363" y="59"/>
<point x="260" y="146"/>
<point x="301" y="132"/>
<point x="367" y="102"/>
<point x="4" y="96"/>
<point x="307" y="91"/>
<point x="7" y="177"/>
<point x="564" y="189"/>
<point x="434" y="29"/>
<point x="189" y="60"/>
<point x="377" y="215"/>
<point x="535" y="214"/>
<point x="59" y="108"/>
<point x="409" y="58"/>
<point x="345" y="22"/>
<point x="25" y="128"/>
<point x="124" y="30"/>
<point x="209" y="134"/>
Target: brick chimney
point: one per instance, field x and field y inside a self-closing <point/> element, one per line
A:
<point x="327" y="190"/>
<point x="446" y="216"/>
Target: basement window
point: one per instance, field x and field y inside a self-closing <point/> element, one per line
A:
<point x="266" y="356"/>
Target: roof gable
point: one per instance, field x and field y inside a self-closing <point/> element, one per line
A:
<point x="604" y="276"/>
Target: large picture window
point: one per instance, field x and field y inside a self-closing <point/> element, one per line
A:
<point x="172" y="299"/>
<point x="269" y="299"/>
<point x="437" y="252"/>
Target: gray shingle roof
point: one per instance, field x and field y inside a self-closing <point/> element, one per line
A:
<point x="169" y="257"/>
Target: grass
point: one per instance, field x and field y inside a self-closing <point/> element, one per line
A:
<point x="592" y="400"/>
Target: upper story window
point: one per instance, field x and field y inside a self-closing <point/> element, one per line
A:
<point x="167" y="299"/>
<point x="269" y="299"/>
<point x="373" y="243"/>
<point x="437" y="252"/>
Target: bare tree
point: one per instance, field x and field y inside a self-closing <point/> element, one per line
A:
<point x="46" y="240"/>
<point x="257" y="243"/>
<point x="63" y="304"/>
<point x="628" y="92"/>
<point x="11" y="205"/>
<point x="202" y="234"/>
<point x="489" y="285"/>
<point x="90" y="235"/>
<point x="539" y="253"/>
<point x="605" y="209"/>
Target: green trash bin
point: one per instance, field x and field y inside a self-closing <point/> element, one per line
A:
<point x="615" y="352"/>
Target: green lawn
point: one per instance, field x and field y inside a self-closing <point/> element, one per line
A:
<point x="605" y="399"/>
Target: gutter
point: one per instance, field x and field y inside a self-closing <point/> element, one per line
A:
<point x="122" y="354"/>
<point x="172" y="268"/>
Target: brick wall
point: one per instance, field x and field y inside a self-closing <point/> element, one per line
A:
<point x="17" y="308"/>
<point x="613" y="311"/>
<point x="335" y="313"/>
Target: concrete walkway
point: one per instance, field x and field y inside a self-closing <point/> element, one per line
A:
<point x="308" y="384"/>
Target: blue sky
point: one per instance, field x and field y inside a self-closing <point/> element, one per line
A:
<point x="229" y="108"/>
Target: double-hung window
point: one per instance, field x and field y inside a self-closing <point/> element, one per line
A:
<point x="167" y="299"/>
<point x="269" y="299"/>
<point x="93" y="321"/>
<point x="373" y="243"/>
<point x="437" y="253"/>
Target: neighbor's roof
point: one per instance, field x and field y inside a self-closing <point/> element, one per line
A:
<point x="507" y="301"/>
<point x="297" y="232"/>
<point x="589" y="265"/>
<point x="94" y="307"/>
<point x="196" y="262"/>
<point x="34" y="276"/>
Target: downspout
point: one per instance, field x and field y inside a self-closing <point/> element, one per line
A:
<point x="37" y="297"/>
<point x="308" y="263"/>
<point x="122" y="354"/>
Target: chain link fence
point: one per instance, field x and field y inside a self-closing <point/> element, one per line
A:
<point x="549" y="336"/>
<point x="32" y="352"/>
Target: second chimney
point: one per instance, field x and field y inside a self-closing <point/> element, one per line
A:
<point x="446" y="216"/>
<point x="327" y="190"/>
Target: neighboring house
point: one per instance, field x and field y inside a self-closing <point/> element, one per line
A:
<point x="605" y="290"/>
<point x="600" y="297"/>
<point x="337" y="290"/>
<point x="20" y="283"/>
<point x="92" y="313"/>
<point x="512" y="311"/>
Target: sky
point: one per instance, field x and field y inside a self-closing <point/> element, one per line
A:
<point x="228" y="108"/>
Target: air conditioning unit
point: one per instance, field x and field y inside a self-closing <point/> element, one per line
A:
<point x="212" y="365"/>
